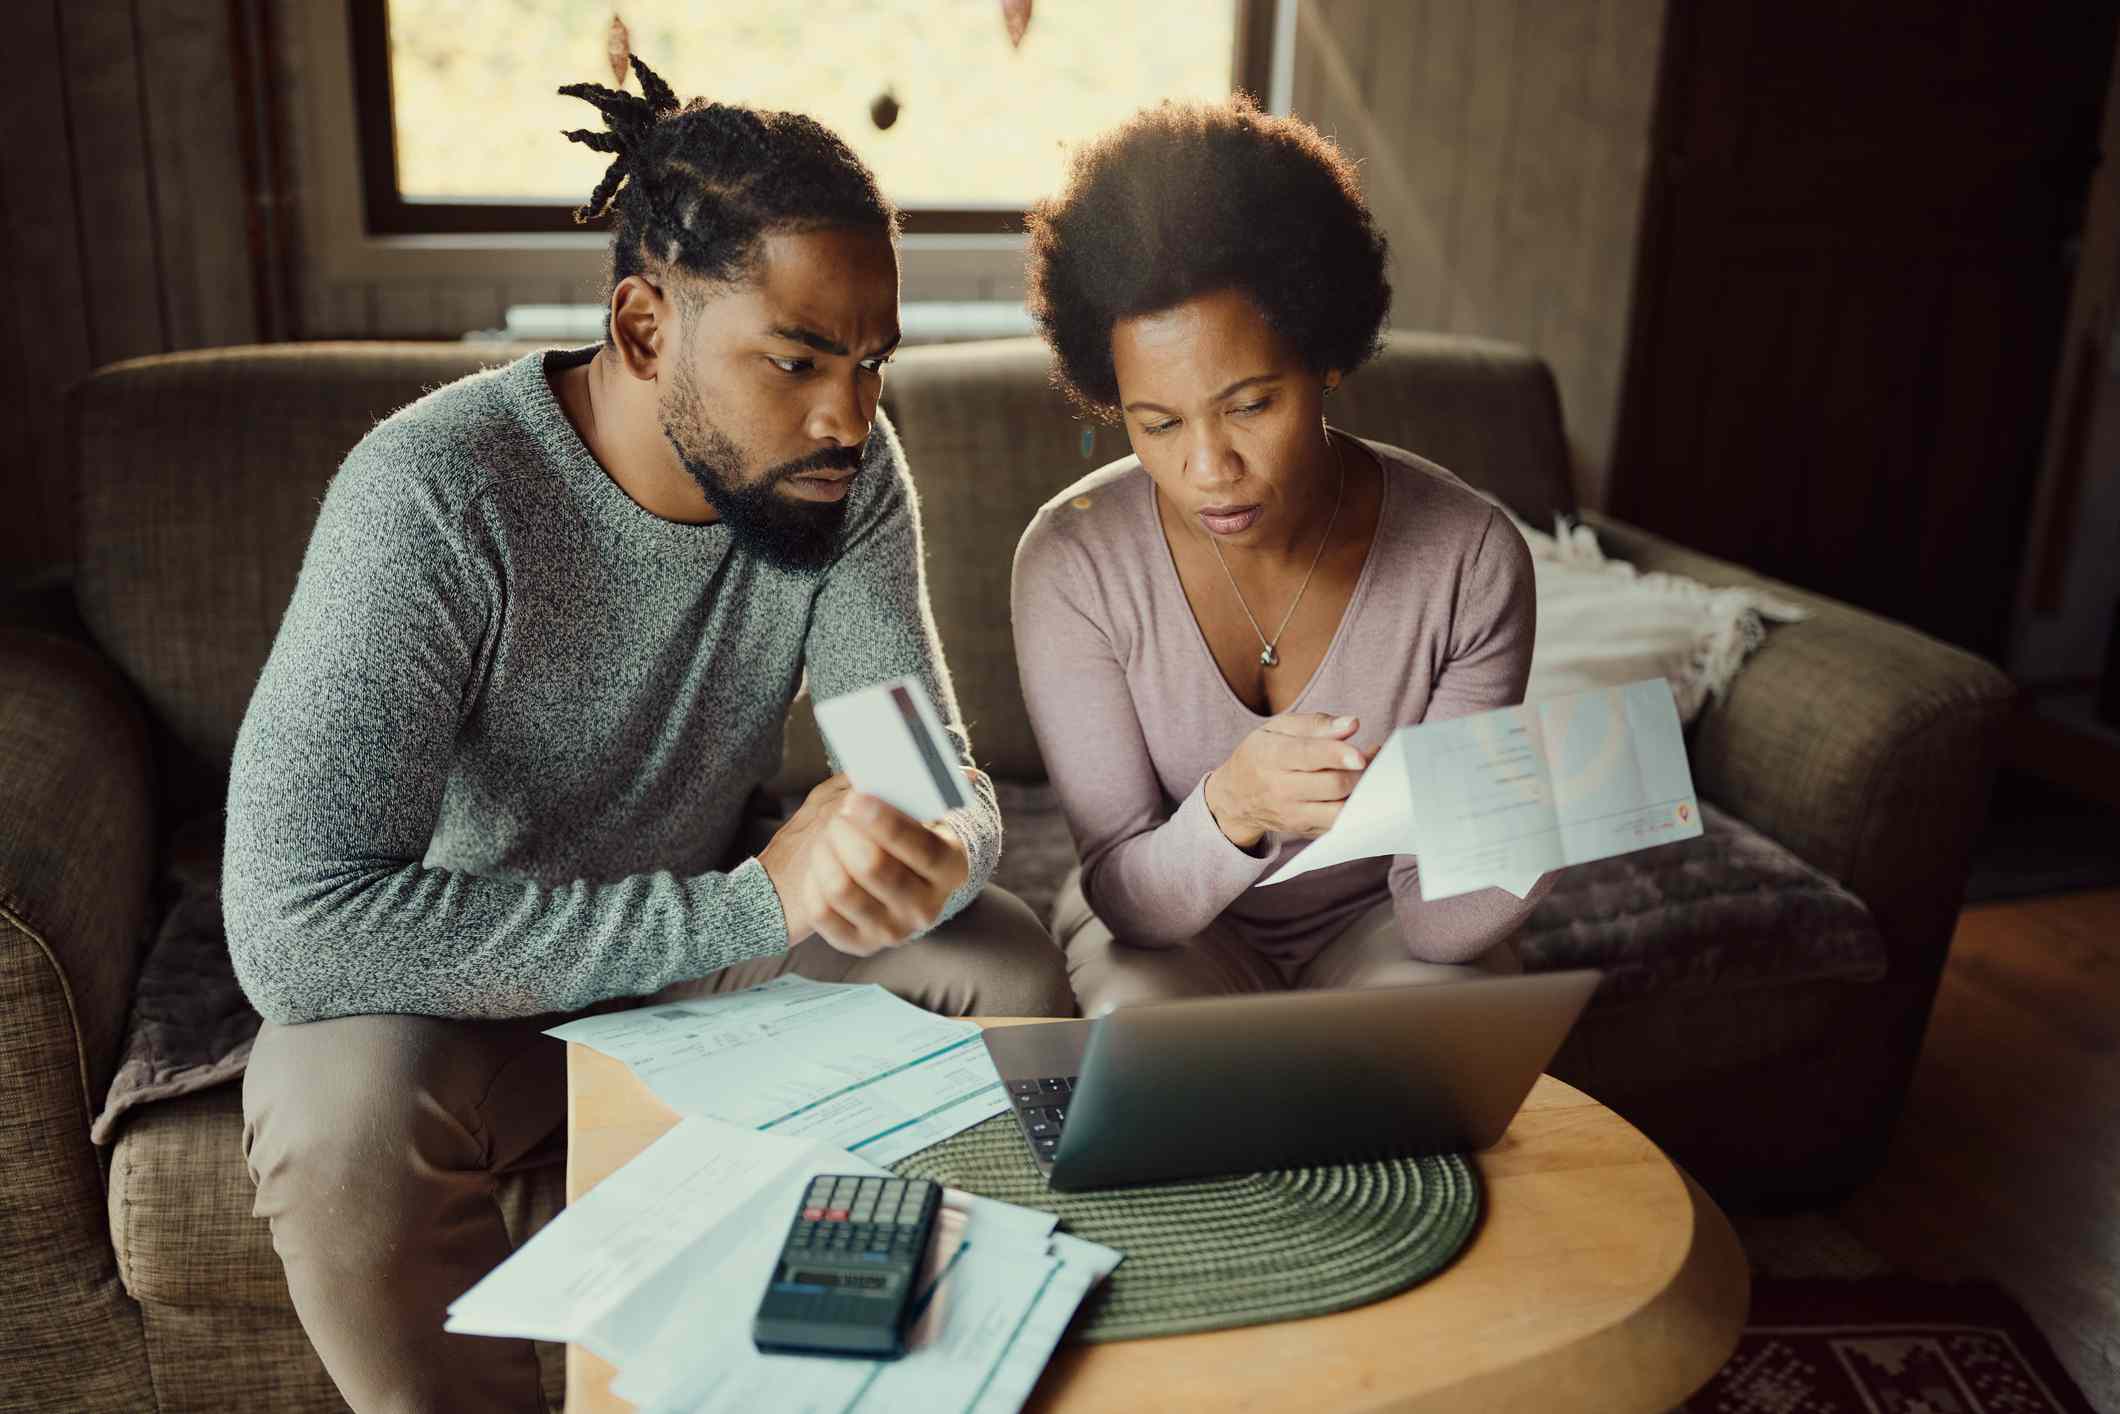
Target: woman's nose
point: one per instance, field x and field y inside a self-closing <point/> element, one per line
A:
<point x="1212" y="461"/>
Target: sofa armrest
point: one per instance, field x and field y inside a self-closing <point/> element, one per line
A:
<point x="76" y="855"/>
<point x="1864" y="746"/>
<point x="76" y="843"/>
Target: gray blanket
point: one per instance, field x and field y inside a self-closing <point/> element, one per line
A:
<point x="191" y="1027"/>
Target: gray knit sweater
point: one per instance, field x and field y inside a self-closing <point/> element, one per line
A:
<point x="507" y="733"/>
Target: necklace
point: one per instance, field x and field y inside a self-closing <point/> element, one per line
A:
<point x="1267" y="656"/>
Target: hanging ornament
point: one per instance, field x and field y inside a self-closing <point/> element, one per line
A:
<point x="1016" y="14"/>
<point x="884" y="111"/>
<point x="618" y="47"/>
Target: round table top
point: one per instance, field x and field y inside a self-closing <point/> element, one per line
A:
<point x="1600" y="1269"/>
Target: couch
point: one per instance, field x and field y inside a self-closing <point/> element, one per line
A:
<point x="1767" y="984"/>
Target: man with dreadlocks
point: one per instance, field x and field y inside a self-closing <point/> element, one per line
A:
<point x="496" y="770"/>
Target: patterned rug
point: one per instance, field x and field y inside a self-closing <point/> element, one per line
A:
<point x="1887" y="1345"/>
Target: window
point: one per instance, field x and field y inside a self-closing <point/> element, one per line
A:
<point x="460" y="124"/>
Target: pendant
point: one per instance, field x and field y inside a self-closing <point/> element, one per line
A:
<point x="1268" y="656"/>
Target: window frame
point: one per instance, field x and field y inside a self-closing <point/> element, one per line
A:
<point x="388" y="213"/>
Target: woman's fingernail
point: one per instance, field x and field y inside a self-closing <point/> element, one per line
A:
<point x="1342" y="724"/>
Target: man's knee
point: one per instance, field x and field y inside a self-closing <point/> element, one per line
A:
<point x="368" y="1104"/>
<point x="328" y="1104"/>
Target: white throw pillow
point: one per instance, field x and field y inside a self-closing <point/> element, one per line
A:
<point x="1602" y="622"/>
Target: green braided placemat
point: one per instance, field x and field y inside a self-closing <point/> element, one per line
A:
<point x="1233" y="1251"/>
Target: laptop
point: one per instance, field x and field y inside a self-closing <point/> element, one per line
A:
<point x="1223" y="1085"/>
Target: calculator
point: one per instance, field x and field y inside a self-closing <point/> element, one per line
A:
<point x="845" y="1279"/>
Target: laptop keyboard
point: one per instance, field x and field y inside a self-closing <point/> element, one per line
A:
<point x="1041" y="1108"/>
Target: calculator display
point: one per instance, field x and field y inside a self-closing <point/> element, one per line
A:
<point x="843" y="1281"/>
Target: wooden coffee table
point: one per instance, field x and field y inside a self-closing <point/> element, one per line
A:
<point x="1602" y="1278"/>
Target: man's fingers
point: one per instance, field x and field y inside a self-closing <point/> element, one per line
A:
<point x="844" y="936"/>
<point x="852" y="917"/>
<point x="830" y="884"/>
<point x="890" y="895"/>
<point x="913" y="844"/>
<point x="829" y="789"/>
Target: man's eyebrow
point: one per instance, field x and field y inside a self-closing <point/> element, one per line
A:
<point x="810" y="338"/>
<point x="1240" y="383"/>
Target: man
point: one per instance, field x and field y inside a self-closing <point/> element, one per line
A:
<point x="538" y="659"/>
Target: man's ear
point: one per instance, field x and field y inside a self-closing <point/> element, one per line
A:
<point x="641" y="328"/>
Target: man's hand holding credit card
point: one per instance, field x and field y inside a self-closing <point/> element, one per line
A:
<point x="864" y="864"/>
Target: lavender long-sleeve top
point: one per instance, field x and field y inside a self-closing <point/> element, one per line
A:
<point x="1132" y="713"/>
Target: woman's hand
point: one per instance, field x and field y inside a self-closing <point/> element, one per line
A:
<point x="1291" y="777"/>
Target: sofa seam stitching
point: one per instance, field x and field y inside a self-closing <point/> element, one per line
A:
<point x="16" y="917"/>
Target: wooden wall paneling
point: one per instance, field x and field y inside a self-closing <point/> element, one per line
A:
<point x="202" y="199"/>
<point x="1338" y="91"/>
<point x="255" y="61"/>
<point x="1963" y="540"/>
<point x="27" y="535"/>
<point x="2069" y="585"/>
<point x="1423" y="78"/>
<point x="1867" y="398"/>
<point x="1905" y="177"/>
<point x="123" y="274"/>
<point x="407" y="309"/>
<point x="1306" y="71"/>
<point x="43" y="314"/>
<point x="1478" y="244"/>
<point x="467" y="308"/>
<point x="1503" y="146"/>
<point x="443" y="309"/>
<point x="588" y="289"/>
<point x="1619" y="84"/>
<point x="516" y="292"/>
<point x="1543" y="186"/>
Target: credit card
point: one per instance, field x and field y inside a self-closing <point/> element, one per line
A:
<point x="889" y="740"/>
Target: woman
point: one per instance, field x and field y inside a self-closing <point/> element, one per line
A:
<point x="1217" y="633"/>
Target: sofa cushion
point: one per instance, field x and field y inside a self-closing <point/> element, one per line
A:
<point x="1731" y="909"/>
<point x="180" y="1206"/>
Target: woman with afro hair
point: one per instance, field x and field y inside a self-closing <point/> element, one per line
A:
<point x="1217" y="633"/>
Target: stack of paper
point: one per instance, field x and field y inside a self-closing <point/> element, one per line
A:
<point x="850" y="1065"/>
<point x="1498" y="798"/>
<point x="659" y="1268"/>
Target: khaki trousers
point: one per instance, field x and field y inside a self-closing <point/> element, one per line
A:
<point x="1106" y="972"/>
<point x="376" y="1143"/>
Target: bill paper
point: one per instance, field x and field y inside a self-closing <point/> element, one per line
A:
<point x="1498" y="798"/>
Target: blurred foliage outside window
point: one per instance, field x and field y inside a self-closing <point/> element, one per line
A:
<point x="979" y="124"/>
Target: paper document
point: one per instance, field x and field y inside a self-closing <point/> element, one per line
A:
<point x="606" y="1269"/>
<point x="851" y="1065"/>
<point x="999" y="1302"/>
<point x="660" y="1268"/>
<point x="1498" y="798"/>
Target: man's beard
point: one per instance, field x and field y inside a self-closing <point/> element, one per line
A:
<point x="797" y="535"/>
